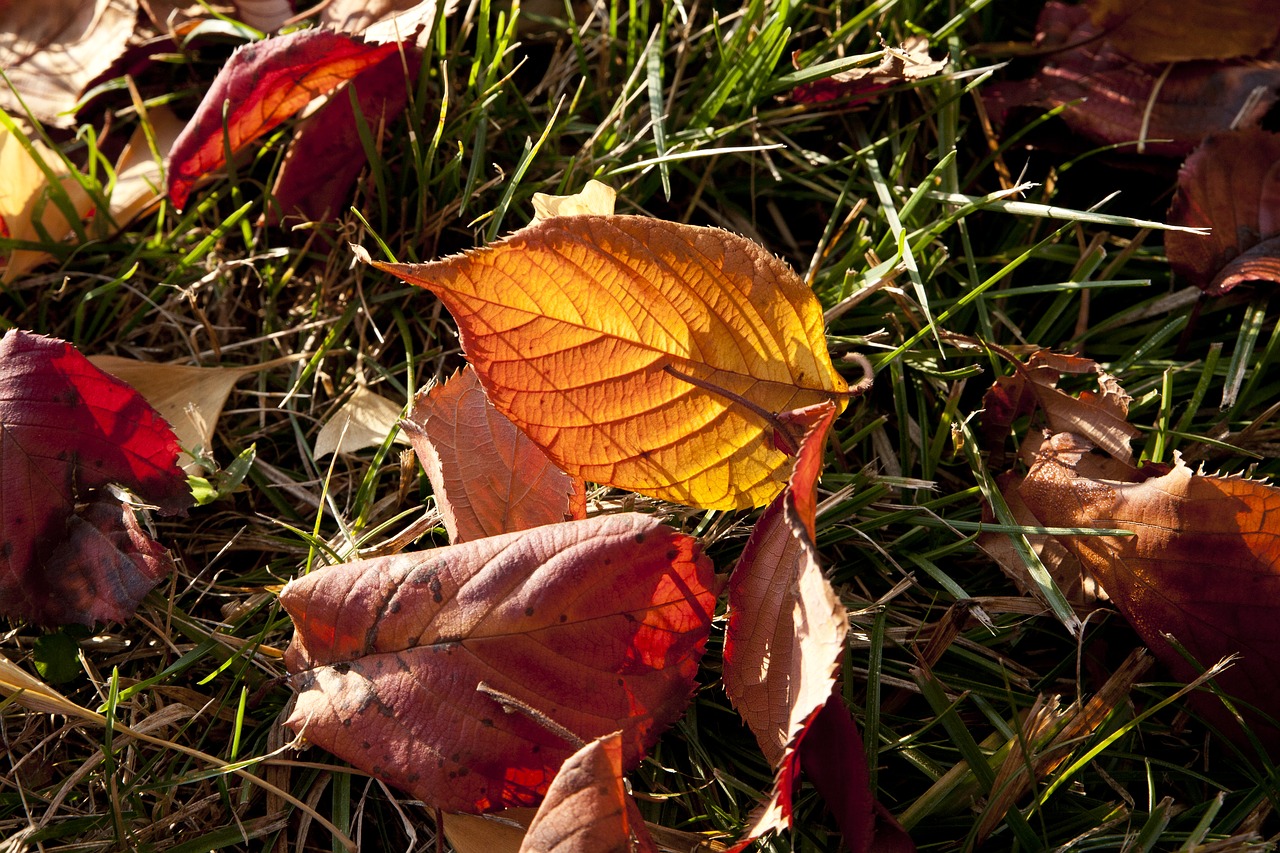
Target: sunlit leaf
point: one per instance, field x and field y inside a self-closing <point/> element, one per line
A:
<point x="27" y="203"/>
<point x="611" y="341"/>
<point x="364" y="420"/>
<point x="899" y="65"/>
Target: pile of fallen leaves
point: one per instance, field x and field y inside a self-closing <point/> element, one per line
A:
<point x="536" y="659"/>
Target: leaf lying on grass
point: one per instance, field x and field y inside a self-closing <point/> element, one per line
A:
<point x="899" y="65"/>
<point x="29" y="208"/>
<point x="1180" y="30"/>
<point x="601" y="337"/>
<point x="450" y="673"/>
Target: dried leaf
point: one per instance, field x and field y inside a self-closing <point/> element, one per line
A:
<point x="1201" y="565"/>
<point x="383" y="21"/>
<point x="600" y="336"/>
<point x="67" y="431"/>
<point x="898" y="65"/>
<point x="786" y="628"/>
<point x="27" y="204"/>
<point x="1101" y="88"/>
<point x="487" y="476"/>
<point x="262" y="85"/>
<point x="365" y="420"/>
<point x="139" y="177"/>
<point x="443" y="672"/>
<point x="501" y="832"/>
<point x="265" y="15"/>
<point x="1231" y="185"/>
<point x="1179" y="30"/>
<point x="595" y="198"/>
<point x="587" y="809"/>
<point x="52" y="49"/>
<point x="1102" y="416"/>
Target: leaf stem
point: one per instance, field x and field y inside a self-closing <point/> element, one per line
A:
<point x="511" y="705"/>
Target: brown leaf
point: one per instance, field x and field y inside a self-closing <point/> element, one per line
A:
<point x="52" y="49"/>
<point x="445" y="672"/>
<point x="500" y="832"/>
<point x="1102" y="416"/>
<point x="27" y="202"/>
<point x="587" y="809"/>
<point x="1102" y="89"/>
<point x="1231" y="185"/>
<point x="786" y="627"/>
<point x="262" y="85"/>
<point x="139" y="178"/>
<point x="1202" y="566"/>
<point x="487" y="476"/>
<point x="909" y="62"/>
<point x="1178" y="30"/>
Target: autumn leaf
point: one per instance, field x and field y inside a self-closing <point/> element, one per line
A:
<point x="52" y="49"/>
<point x="487" y="476"/>
<point x="1179" y="30"/>
<point x="446" y="672"/>
<point x="67" y="432"/>
<point x="1100" y="89"/>
<point x="1202" y="565"/>
<point x="1102" y="416"/>
<point x="588" y="809"/>
<point x="139" y="178"/>
<point x="1229" y="186"/>
<point x="364" y="420"/>
<point x="262" y="85"/>
<point x="900" y="65"/>
<point x="618" y="344"/>
<point x="28" y="204"/>
<point x="595" y="197"/>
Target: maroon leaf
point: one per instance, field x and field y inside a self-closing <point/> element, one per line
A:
<point x="326" y="154"/>
<point x="1231" y="185"/>
<point x="441" y="672"/>
<point x="588" y="809"/>
<point x="66" y="430"/>
<point x="261" y="85"/>
<point x="1102" y="90"/>
<point x="1178" y="30"/>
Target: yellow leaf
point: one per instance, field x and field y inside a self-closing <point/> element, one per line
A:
<point x="24" y="196"/>
<point x="139" y="178"/>
<point x="594" y="198"/>
<point x="617" y="344"/>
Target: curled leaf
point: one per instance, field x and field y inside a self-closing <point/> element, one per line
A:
<point x="1231" y="185"/>
<point x="487" y="476"/>
<point x="450" y="673"/>
<point x="595" y="198"/>
<point x="899" y="65"/>
<point x="623" y="346"/>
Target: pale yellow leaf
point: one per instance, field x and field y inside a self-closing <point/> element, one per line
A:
<point x="595" y="198"/>
<point x="363" y="421"/>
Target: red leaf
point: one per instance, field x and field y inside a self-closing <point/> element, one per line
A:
<point x="326" y="154"/>
<point x="261" y="85"/>
<point x="1231" y="184"/>
<point x="1102" y="90"/>
<point x="487" y="476"/>
<point x="786" y="628"/>
<point x="587" y="809"/>
<point x="595" y="625"/>
<point x="66" y="430"/>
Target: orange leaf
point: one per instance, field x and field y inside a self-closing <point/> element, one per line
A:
<point x="598" y="337"/>
<point x="587" y="809"/>
<point x="445" y="672"/>
<point x="261" y="85"/>
<point x="786" y="628"/>
<point x="487" y="476"/>
<point x="1202" y="566"/>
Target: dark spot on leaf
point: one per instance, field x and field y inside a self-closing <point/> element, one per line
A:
<point x="395" y="607"/>
<point x="639" y="538"/>
<point x="672" y="554"/>
<point x="364" y="744"/>
<point x="413" y="777"/>
<point x="342" y="668"/>
<point x="486" y="722"/>
<point x="6" y="550"/>
<point x="346" y="724"/>
<point x="621" y="682"/>
<point x="564" y="617"/>
<point x="435" y="587"/>
<point x="528" y="611"/>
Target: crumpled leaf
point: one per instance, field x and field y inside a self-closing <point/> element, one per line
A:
<point x="431" y="670"/>
<point x="27" y="202"/>
<point x="600" y="337"/>
<point x="326" y="155"/>
<point x="1179" y="30"/>
<point x="263" y="84"/>
<point x="1202" y="566"/>
<point x="595" y="197"/>
<point x="487" y="476"/>
<point x="52" y="49"/>
<point x="1103" y="89"/>
<point x="1102" y="416"/>
<point x="189" y="398"/>
<point x="1231" y="184"/>
<point x="588" y="809"/>
<point x="364" y="420"/>
<point x="898" y="65"/>
<point x="67" y="431"/>
<point x="786" y="628"/>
